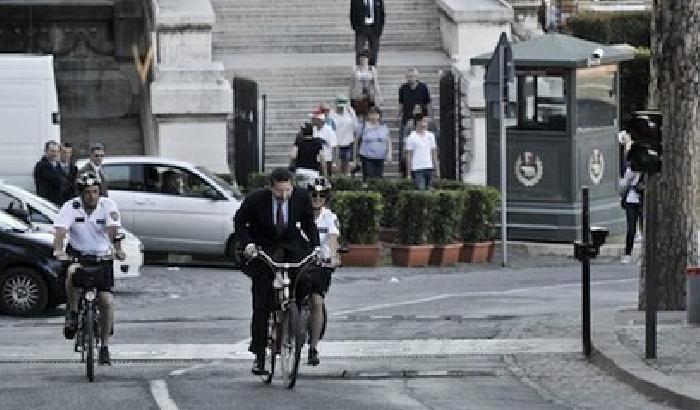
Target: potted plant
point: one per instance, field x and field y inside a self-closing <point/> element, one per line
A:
<point x="256" y="180"/>
<point x="389" y="189"/>
<point x="444" y="227"/>
<point x="413" y="219"/>
<point x="359" y="213"/>
<point x="478" y="224"/>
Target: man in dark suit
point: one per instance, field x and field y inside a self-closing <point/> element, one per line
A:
<point x="69" y="173"/>
<point x="273" y="218"/>
<point x="367" y="20"/>
<point x="97" y="153"/>
<point x="47" y="174"/>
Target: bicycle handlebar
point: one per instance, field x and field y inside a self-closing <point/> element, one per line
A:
<point x="85" y="259"/>
<point x="260" y="254"/>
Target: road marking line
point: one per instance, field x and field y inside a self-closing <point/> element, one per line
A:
<point x="159" y="390"/>
<point x="180" y="372"/>
<point x="466" y="294"/>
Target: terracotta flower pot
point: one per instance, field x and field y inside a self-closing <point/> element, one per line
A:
<point x="361" y="255"/>
<point x="388" y="234"/>
<point x="410" y="255"/>
<point x="476" y="252"/>
<point x="445" y="255"/>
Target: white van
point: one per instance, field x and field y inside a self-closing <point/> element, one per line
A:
<point x="28" y="113"/>
<point x="173" y="206"/>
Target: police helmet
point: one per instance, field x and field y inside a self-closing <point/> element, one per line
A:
<point x="87" y="179"/>
<point x="320" y="185"/>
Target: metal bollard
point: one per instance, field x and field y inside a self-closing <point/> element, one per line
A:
<point x="693" y="294"/>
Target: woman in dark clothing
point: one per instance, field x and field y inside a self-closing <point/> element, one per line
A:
<point x="305" y="156"/>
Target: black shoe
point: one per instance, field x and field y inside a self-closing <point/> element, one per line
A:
<point x="104" y="356"/>
<point x="259" y="365"/>
<point x="313" y="357"/>
<point x="70" y="326"/>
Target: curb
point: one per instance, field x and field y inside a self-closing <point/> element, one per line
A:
<point x="613" y="357"/>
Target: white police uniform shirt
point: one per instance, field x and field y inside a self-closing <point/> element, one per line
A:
<point x="88" y="233"/>
<point x="327" y="224"/>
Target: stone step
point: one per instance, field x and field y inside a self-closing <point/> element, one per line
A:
<point x="233" y="48"/>
<point x="291" y="26"/>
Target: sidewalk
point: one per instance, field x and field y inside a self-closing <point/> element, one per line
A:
<point x="673" y="377"/>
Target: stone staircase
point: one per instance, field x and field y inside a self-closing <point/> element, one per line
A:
<point x="300" y="60"/>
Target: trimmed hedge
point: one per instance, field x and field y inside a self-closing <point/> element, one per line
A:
<point x="631" y="27"/>
<point x="414" y="216"/>
<point x="257" y="180"/>
<point x="479" y="214"/>
<point x="446" y="216"/>
<point x="358" y="213"/>
<point x="390" y="189"/>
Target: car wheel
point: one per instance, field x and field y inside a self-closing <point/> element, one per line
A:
<point x="234" y="249"/>
<point x="23" y="292"/>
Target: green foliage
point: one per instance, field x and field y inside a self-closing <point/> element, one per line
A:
<point x="257" y="180"/>
<point x="632" y="27"/>
<point x="346" y="184"/>
<point x="479" y="214"/>
<point x="228" y="178"/>
<point x="634" y="83"/>
<point x="359" y="213"/>
<point x="446" y="216"/>
<point x="449" y="184"/>
<point x="414" y="216"/>
<point x="390" y="189"/>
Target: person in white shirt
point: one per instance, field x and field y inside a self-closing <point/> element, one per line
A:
<point x="93" y="223"/>
<point x="318" y="280"/>
<point x="345" y="124"/>
<point x="421" y="154"/>
<point x="325" y="132"/>
<point x="632" y="189"/>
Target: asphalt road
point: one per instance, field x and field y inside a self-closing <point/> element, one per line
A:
<point x="470" y="337"/>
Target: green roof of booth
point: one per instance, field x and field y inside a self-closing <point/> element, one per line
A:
<point x="560" y="50"/>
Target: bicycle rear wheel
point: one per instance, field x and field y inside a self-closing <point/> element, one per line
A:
<point x="89" y="345"/>
<point x="292" y="342"/>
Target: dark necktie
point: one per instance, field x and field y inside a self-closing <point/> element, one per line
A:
<point x="279" y="224"/>
<point x="367" y="10"/>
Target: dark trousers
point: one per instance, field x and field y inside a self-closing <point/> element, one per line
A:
<point x="633" y="213"/>
<point x="372" y="168"/>
<point x="363" y="35"/>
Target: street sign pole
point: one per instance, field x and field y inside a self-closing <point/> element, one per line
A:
<point x="504" y="179"/>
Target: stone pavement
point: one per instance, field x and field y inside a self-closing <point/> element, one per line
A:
<point x="619" y="347"/>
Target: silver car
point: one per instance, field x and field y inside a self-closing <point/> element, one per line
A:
<point x="173" y="206"/>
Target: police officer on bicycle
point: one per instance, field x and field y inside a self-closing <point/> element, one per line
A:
<point x="92" y="222"/>
<point x="280" y="220"/>
<point x="317" y="280"/>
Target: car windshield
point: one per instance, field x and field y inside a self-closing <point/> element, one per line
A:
<point x="232" y="190"/>
<point x="8" y="223"/>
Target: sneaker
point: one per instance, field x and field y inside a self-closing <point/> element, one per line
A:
<point x="70" y="326"/>
<point x="259" y="365"/>
<point x="313" y="357"/>
<point x="626" y="259"/>
<point x="104" y="356"/>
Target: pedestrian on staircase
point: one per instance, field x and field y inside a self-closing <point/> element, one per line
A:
<point x="414" y="98"/>
<point x="367" y="21"/>
<point x="364" y="87"/>
<point x="375" y="145"/>
<point x="330" y="142"/>
<point x="306" y="156"/>
<point x="345" y="122"/>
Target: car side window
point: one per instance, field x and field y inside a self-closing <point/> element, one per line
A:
<point x="169" y="180"/>
<point x="8" y="202"/>
<point x="37" y="217"/>
<point x="124" y="177"/>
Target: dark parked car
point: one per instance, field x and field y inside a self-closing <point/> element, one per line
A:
<point x="30" y="278"/>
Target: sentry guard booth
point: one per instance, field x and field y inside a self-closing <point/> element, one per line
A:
<point x="562" y="135"/>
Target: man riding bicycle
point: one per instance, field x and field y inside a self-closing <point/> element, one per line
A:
<point x="93" y="224"/>
<point x="280" y="220"/>
<point x="317" y="280"/>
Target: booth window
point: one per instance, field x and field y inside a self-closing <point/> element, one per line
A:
<point x="596" y="96"/>
<point x="541" y="102"/>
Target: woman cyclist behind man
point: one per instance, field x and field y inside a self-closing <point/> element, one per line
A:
<point x="319" y="279"/>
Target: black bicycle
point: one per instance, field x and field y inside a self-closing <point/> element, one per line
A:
<point x="285" y="329"/>
<point x="87" y="278"/>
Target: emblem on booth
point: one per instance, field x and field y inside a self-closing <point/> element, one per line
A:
<point x="528" y="169"/>
<point x="596" y="166"/>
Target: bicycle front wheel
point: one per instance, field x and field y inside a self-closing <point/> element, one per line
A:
<point x="292" y="342"/>
<point x="89" y="345"/>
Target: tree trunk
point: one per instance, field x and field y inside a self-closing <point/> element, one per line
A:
<point x="675" y="34"/>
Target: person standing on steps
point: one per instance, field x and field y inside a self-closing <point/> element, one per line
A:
<point x="367" y="21"/>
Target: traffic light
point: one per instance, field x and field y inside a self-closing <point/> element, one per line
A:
<point x="645" y="153"/>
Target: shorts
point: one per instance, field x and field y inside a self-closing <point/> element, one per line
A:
<point x="314" y="280"/>
<point x="346" y="153"/>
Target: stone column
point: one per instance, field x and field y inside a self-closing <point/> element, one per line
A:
<point x="470" y="28"/>
<point x="190" y="97"/>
